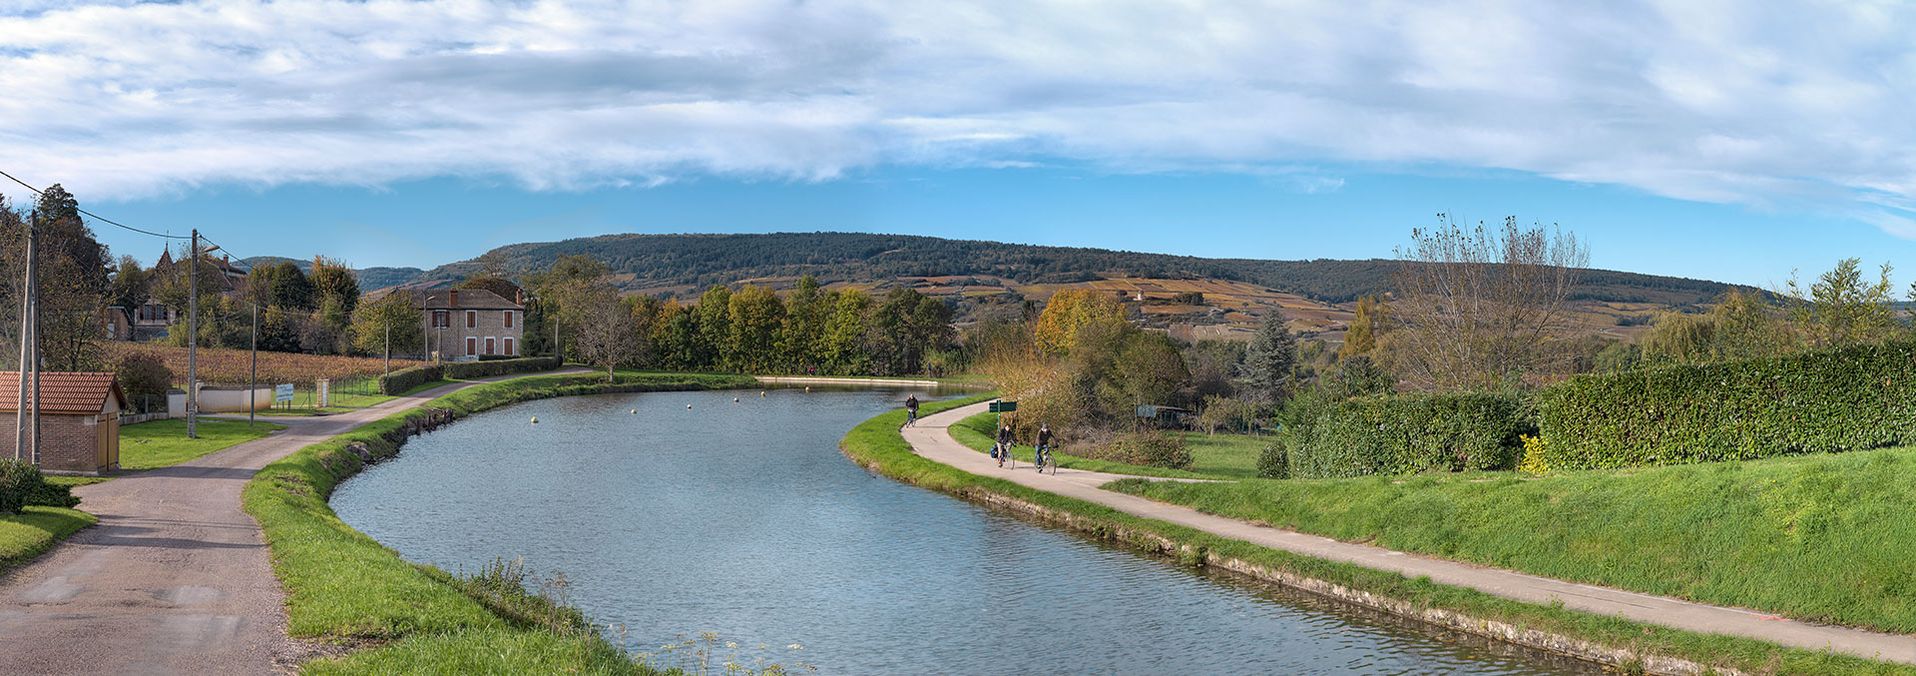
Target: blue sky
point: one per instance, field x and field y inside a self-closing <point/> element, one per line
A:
<point x="1724" y="140"/>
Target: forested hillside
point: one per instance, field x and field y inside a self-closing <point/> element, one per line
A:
<point x="697" y="261"/>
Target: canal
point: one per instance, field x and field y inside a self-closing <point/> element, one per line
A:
<point x="743" y="519"/>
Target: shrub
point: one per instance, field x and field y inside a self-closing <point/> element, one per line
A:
<point x="1273" y="462"/>
<point x="487" y="369"/>
<point x="1814" y="402"/>
<point x="1152" y="449"/>
<point x="1533" y="462"/>
<point x="1402" y="434"/>
<point x="21" y="485"/>
<point x="144" y="378"/>
<point x="404" y="380"/>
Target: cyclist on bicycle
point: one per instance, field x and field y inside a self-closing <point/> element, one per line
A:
<point x="911" y="406"/>
<point x="1043" y="455"/>
<point x="1004" y="444"/>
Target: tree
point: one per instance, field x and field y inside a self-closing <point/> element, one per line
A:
<point x="73" y="283"/>
<point x="844" y="343"/>
<point x="755" y="315"/>
<point x="1270" y="361"/>
<point x="1069" y="310"/>
<point x="144" y="378"/>
<point x="1361" y="337"/>
<point x="130" y="284"/>
<point x="675" y="338"/>
<point x="1481" y="307"/>
<point x="1841" y="309"/>
<point x="283" y="285"/>
<point x="387" y="324"/>
<point x="715" y="328"/>
<point x="333" y="281"/>
<point x="553" y="289"/>
<point x="804" y="327"/>
<point x="605" y="333"/>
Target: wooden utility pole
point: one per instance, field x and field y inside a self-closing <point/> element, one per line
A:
<point x="27" y="353"/>
<point x="192" y="337"/>
<point x="252" y="369"/>
<point x="33" y="335"/>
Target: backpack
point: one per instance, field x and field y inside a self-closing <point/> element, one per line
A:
<point x="994" y="451"/>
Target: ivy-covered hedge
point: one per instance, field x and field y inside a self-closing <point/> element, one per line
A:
<point x="1817" y="402"/>
<point x="404" y="380"/>
<point x="1402" y="434"/>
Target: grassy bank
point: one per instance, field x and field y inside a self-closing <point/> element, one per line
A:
<point x="163" y="443"/>
<point x="25" y="535"/>
<point x="877" y="444"/>
<point x="344" y="586"/>
<point x="1823" y="538"/>
<point x="1220" y="456"/>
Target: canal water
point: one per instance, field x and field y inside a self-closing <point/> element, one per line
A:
<point x="744" y="520"/>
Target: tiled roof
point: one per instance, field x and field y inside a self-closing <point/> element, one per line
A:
<point x="469" y="299"/>
<point x="69" y="392"/>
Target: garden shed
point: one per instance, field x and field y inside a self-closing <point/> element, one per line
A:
<point x="79" y="420"/>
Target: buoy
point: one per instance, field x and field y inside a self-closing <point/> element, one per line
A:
<point x="535" y="420"/>
<point x="734" y="400"/>
<point x="635" y="411"/>
<point x="808" y="388"/>
<point x="761" y="395"/>
<point x="688" y="407"/>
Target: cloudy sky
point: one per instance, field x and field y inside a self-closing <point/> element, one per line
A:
<point x="1727" y="140"/>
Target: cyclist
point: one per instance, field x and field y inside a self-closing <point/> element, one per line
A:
<point x="1004" y="444"/>
<point x="1042" y="456"/>
<point x="911" y="406"/>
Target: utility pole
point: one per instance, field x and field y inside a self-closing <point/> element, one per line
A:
<point x="252" y="372"/>
<point x="388" y="321"/>
<point x="26" y="353"/>
<point x="33" y="334"/>
<point x="192" y="337"/>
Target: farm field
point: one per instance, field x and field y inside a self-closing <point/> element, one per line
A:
<point x="229" y="367"/>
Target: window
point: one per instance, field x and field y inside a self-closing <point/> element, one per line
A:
<point x="472" y="319"/>
<point x="489" y="345"/>
<point x="441" y="319"/>
<point x="510" y="352"/>
<point x="508" y="319"/>
<point x="472" y="346"/>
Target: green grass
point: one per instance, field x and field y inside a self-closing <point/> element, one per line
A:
<point x="36" y="529"/>
<point x="342" y="585"/>
<point x="1222" y="456"/>
<point x="163" y="443"/>
<point x="347" y="403"/>
<point x="1821" y="538"/>
<point x="877" y="444"/>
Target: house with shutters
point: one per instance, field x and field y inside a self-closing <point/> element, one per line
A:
<point x="469" y="324"/>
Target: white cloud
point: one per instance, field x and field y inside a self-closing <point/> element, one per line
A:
<point x="1752" y="103"/>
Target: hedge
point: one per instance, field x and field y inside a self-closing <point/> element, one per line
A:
<point x="1817" y="402"/>
<point x="404" y="380"/>
<point x="1401" y="434"/>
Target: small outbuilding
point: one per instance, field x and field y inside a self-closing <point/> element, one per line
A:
<point x="79" y="420"/>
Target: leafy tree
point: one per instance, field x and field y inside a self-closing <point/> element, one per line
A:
<point x="1361" y="337"/>
<point x="715" y="328"/>
<point x="144" y="378"/>
<point x="73" y="281"/>
<point x="804" y="329"/>
<point x="131" y="284"/>
<point x="1069" y="310"/>
<point x="553" y="289"/>
<point x="755" y="315"/>
<point x="676" y="338"/>
<point x="283" y="285"/>
<point x="392" y="323"/>
<point x="843" y="350"/>
<point x="334" y="282"/>
<point x="606" y="334"/>
<point x="1266" y="376"/>
<point x="1841" y="309"/>
<point x="1213" y="365"/>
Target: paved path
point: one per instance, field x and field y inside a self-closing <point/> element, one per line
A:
<point x="175" y="579"/>
<point x="932" y="439"/>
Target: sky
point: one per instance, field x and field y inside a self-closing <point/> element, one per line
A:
<point x="1729" y="141"/>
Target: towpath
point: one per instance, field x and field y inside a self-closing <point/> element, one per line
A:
<point x="175" y="579"/>
<point x="931" y="438"/>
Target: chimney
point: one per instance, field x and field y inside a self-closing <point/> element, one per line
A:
<point x="519" y="296"/>
<point x="452" y="298"/>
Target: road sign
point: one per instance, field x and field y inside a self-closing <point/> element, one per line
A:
<point x="283" y="393"/>
<point x="1002" y="406"/>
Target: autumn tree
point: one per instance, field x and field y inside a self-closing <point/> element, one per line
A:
<point x="714" y="313"/>
<point x="388" y="324"/>
<point x="754" y="316"/>
<point x="1361" y="337"/>
<point x="1480" y="307"/>
<point x="1068" y="311"/>
<point x="605" y="332"/>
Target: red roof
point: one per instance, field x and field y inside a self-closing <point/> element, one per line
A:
<point x="70" y="392"/>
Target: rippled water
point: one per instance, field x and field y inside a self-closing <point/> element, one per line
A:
<point x="744" y="519"/>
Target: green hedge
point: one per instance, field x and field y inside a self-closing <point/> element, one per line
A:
<point x="1817" y="402"/>
<point x="1401" y="434"/>
<point x="404" y="380"/>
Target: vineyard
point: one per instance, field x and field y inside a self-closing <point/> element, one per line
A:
<point x="230" y="367"/>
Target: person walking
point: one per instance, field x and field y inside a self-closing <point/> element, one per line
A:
<point x="1004" y="444"/>
<point x="911" y="407"/>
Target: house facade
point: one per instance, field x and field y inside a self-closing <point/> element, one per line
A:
<point x="79" y="421"/>
<point x="468" y="324"/>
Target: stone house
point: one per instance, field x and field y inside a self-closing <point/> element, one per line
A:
<point x="466" y="324"/>
<point x="79" y="421"/>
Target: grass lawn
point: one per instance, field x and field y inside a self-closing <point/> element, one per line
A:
<point x="27" y="534"/>
<point x="347" y="403"/>
<point x="162" y="443"/>
<point x="1221" y="456"/>
<point x="1821" y="538"/>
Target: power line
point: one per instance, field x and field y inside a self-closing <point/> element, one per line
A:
<point x="95" y="216"/>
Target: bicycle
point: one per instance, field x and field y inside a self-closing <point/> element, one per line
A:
<point x="1042" y="458"/>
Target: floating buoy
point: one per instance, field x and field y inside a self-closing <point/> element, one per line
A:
<point x="734" y="400"/>
<point x="808" y="388"/>
<point x="688" y="407"/>
<point x="535" y="420"/>
<point x="761" y="395"/>
<point x="635" y="411"/>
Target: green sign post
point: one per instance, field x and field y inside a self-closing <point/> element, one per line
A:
<point x="1002" y="406"/>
